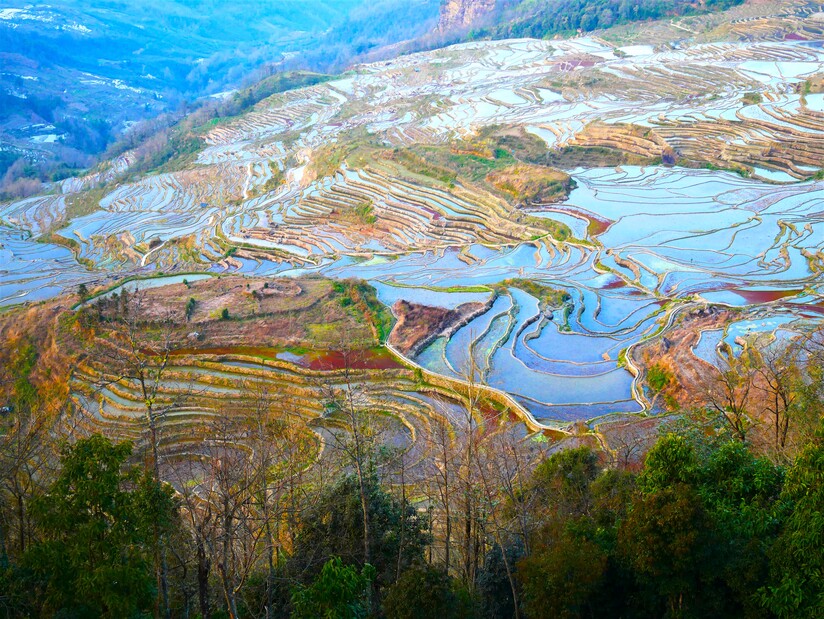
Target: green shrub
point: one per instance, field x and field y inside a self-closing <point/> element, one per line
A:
<point x="658" y="377"/>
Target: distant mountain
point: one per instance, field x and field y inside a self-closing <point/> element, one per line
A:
<point x="75" y="74"/>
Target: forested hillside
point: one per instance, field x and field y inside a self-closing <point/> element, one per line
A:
<point x="545" y="18"/>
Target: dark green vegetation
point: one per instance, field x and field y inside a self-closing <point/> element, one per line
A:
<point x="277" y="178"/>
<point x="95" y="526"/>
<point x="338" y="591"/>
<point x="362" y="301"/>
<point x="545" y="18"/>
<point x="658" y="377"/>
<point x="704" y="528"/>
<point x="701" y="531"/>
<point x="752" y="98"/>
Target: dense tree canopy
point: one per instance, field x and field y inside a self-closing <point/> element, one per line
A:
<point x="97" y="521"/>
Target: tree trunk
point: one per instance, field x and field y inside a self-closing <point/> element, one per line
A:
<point x="511" y="577"/>
<point x="361" y="487"/>
<point x="203" y="567"/>
<point x="228" y="590"/>
<point x="468" y="540"/>
<point x="365" y="510"/>
<point x="160" y="554"/>
<point x="21" y="516"/>
<point x="270" y="551"/>
<point x="403" y="519"/>
<point x="448" y="536"/>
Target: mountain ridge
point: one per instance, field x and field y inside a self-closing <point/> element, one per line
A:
<point x="459" y="15"/>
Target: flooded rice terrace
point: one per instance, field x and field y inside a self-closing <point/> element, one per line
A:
<point x="677" y="235"/>
<point x="645" y="240"/>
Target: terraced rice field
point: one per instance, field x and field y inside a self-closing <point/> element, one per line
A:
<point x="645" y="240"/>
<point x="273" y="356"/>
<point x="198" y="387"/>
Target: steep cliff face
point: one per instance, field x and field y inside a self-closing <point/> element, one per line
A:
<point x="461" y="14"/>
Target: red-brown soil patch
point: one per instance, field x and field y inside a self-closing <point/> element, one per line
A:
<point x="419" y="324"/>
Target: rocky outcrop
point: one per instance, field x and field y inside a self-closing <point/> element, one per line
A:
<point x="459" y="15"/>
<point x="418" y="325"/>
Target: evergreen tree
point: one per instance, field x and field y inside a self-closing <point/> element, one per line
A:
<point x="339" y="592"/>
<point x="796" y="587"/>
<point x="96" y="522"/>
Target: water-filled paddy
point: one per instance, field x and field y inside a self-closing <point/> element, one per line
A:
<point x="651" y="235"/>
<point x="674" y="233"/>
<point x="568" y="360"/>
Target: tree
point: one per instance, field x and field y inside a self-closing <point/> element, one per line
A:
<point x="502" y="463"/>
<point x="26" y="445"/>
<point x="422" y="592"/>
<point x="190" y="307"/>
<point x="493" y="584"/>
<point x="779" y="368"/>
<point x="809" y="405"/>
<point x="442" y="481"/>
<point x="562" y="575"/>
<point x="563" y="569"/>
<point x="97" y="524"/>
<point x="696" y="536"/>
<point x="563" y="481"/>
<point x="666" y="536"/>
<point x="671" y="461"/>
<point x="468" y="438"/>
<point x="666" y="539"/>
<point x="740" y="492"/>
<point x="796" y="588"/>
<point x="332" y="526"/>
<point x="134" y="348"/>
<point x="728" y="392"/>
<point x="231" y="523"/>
<point x="339" y="592"/>
<point x="350" y="403"/>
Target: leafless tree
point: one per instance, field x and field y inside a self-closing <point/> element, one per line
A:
<point x="188" y="475"/>
<point x="27" y="456"/>
<point x="230" y="485"/>
<point x="442" y="463"/>
<point x="779" y="369"/>
<point x="503" y="466"/>
<point x="468" y="434"/>
<point x="282" y="454"/>
<point x="728" y="391"/>
<point x="630" y="440"/>
<point x="349" y="402"/>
